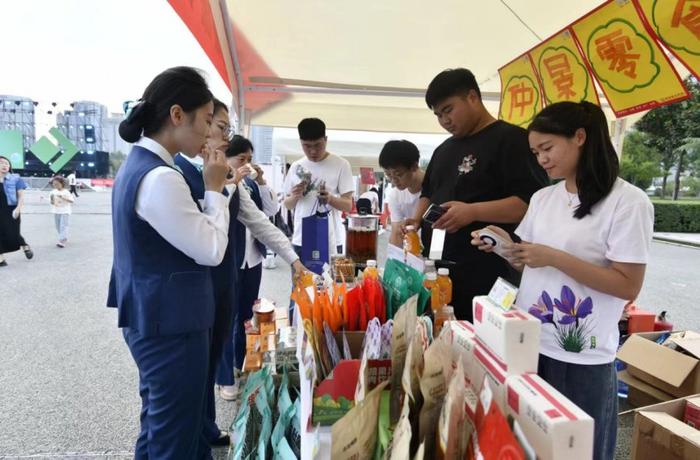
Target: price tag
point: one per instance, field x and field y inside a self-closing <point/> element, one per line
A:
<point x="503" y="293"/>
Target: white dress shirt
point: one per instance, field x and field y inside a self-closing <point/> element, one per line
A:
<point x="258" y="226"/>
<point x="164" y="201"/>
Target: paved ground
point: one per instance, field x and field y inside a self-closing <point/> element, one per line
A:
<point x="68" y="387"/>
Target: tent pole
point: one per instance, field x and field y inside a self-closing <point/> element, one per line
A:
<point x="240" y="110"/>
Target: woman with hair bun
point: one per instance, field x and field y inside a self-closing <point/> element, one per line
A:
<point x="163" y="245"/>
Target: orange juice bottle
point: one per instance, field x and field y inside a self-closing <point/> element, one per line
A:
<point x="444" y="284"/>
<point x="371" y="269"/>
<point x="411" y="241"/>
<point x="429" y="280"/>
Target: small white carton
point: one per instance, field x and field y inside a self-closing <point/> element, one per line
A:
<point x="460" y="335"/>
<point x="489" y="366"/>
<point x="513" y="335"/>
<point x="555" y="427"/>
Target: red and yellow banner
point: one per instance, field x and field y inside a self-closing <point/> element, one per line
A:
<point x="562" y="70"/>
<point x="521" y="98"/>
<point x="632" y="70"/>
<point x="676" y="23"/>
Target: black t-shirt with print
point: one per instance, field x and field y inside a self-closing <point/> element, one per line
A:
<point x="493" y="164"/>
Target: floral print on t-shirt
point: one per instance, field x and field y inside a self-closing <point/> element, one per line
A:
<point x="570" y="318"/>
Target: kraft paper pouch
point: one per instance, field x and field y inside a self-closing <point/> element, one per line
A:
<point x="433" y="386"/>
<point x="355" y="435"/>
<point x="413" y="367"/>
<point x="401" y="442"/>
<point x="401" y="337"/>
<point x="450" y="431"/>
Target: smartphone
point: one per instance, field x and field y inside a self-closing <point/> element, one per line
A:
<point x="433" y="213"/>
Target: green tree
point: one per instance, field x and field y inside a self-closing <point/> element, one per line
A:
<point x="670" y="129"/>
<point x="639" y="164"/>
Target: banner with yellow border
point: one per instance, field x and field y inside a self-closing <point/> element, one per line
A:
<point x="676" y="24"/>
<point x="521" y="98"/>
<point x="562" y="70"/>
<point x="630" y="67"/>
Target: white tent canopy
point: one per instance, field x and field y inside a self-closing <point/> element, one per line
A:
<point x="364" y="65"/>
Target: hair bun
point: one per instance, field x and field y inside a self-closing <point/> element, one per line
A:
<point x="131" y="128"/>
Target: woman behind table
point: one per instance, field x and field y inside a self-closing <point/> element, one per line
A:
<point x="163" y="246"/>
<point x="585" y="246"/>
<point x="11" y="201"/>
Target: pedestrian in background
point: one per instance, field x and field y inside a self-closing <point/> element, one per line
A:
<point x="73" y="182"/>
<point x="61" y="200"/>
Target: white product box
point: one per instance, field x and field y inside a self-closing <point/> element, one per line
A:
<point x="513" y="335"/>
<point x="488" y="365"/>
<point x="554" y="426"/>
<point x="462" y="340"/>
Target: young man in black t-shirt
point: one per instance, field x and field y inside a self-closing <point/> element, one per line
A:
<point x="484" y="174"/>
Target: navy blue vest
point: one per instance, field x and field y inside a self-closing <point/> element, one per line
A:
<point x="257" y="199"/>
<point x="157" y="288"/>
<point x="223" y="275"/>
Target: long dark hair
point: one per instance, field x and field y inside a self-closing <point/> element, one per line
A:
<point x="183" y="86"/>
<point x="598" y="165"/>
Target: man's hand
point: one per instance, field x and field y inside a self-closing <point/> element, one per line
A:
<point x="16" y="212"/>
<point x="458" y="215"/>
<point x="298" y="190"/>
<point x="298" y="267"/>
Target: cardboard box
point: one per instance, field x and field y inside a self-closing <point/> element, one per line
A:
<point x="668" y="370"/>
<point x="462" y="340"/>
<point x="692" y="413"/>
<point x="659" y="433"/>
<point x="268" y="328"/>
<point x="640" y="393"/>
<point x="514" y="335"/>
<point x="554" y="426"/>
<point x="335" y="395"/>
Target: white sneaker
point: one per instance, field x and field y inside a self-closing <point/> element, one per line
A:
<point x="228" y="392"/>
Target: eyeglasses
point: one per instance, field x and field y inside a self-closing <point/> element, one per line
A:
<point x="227" y="131"/>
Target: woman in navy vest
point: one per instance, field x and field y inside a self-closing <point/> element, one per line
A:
<point x="11" y="200"/>
<point x="164" y="242"/>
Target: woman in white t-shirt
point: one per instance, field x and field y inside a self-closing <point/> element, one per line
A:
<point x="61" y="200"/>
<point x="585" y="246"/>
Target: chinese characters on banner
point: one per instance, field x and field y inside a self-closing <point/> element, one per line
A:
<point x="676" y="23"/>
<point x="562" y="70"/>
<point x="629" y="65"/>
<point x="520" y="92"/>
<point x="616" y="45"/>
